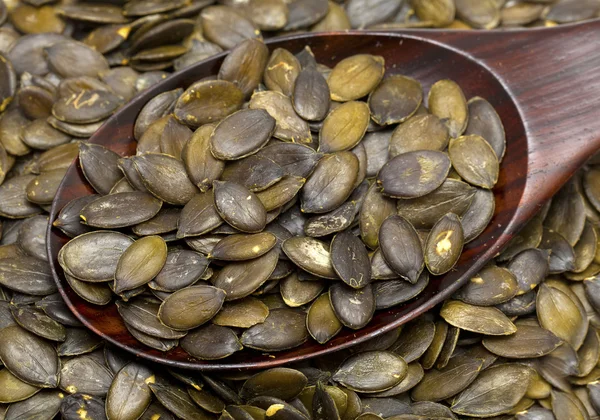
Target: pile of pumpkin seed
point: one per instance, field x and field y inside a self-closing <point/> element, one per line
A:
<point x="519" y="341"/>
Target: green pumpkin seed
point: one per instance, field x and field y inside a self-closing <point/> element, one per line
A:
<point x="156" y="108"/>
<point x="390" y="293"/>
<point x="311" y="255"/>
<point x="201" y="165"/>
<point x="311" y="97"/>
<point x="32" y="236"/>
<point x="142" y="314"/>
<point x="99" y="166"/>
<point x="281" y="71"/>
<point x="321" y="321"/>
<point x="241" y="134"/>
<point x="94" y="256"/>
<point x="283" y="383"/>
<point x="585" y="249"/>
<point x="37" y="322"/>
<point x="86" y="375"/>
<point x="78" y="341"/>
<point x="27" y="275"/>
<point x="245" y="64"/>
<point x="289" y="126"/>
<point x="41" y="135"/>
<point x="415" y="339"/>
<point x="444" y="244"/>
<point x="206" y="400"/>
<point x="484" y="120"/>
<point x="305" y="13"/>
<point x="28" y="357"/>
<point x="164" y="221"/>
<point x="491" y="286"/>
<point x="479" y="319"/>
<point x="191" y="307"/>
<point x="175" y="398"/>
<point x="198" y="216"/>
<point x="332" y="222"/>
<point x="12" y="389"/>
<point x="353" y="307"/>
<point x="526" y="342"/>
<point x="495" y="391"/>
<point x="355" y="77"/>
<point x="530" y="268"/>
<point x="160" y="344"/>
<point x="96" y="293"/>
<point x="13" y="198"/>
<point x="120" y="210"/>
<point x="438" y="12"/>
<point x="43" y="406"/>
<point x="243" y="247"/>
<point x="395" y="99"/>
<point x="474" y="160"/>
<point x="87" y="106"/>
<point x="281" y="193"/>
<point x="35" y="102"/>
<point x="420" y="132"/>
<point x="243" y="313"/>
<point x="401" y="248"/>
<point x="240" y="279"/>
<point x="12" y="124"/>
<point x="211" y="342"/>
<point x="217" y="22"/>
<point x="447" y="102"/>
<point x="344" y="127"/>
<point x="62" y="54"/>
<point x="294" y="159"/>
<point x="352" y="373"/>
<point x="323" y="405"/>
<point x="140" y="263"/>
<point x="568" y="203"/>
<point x="42" y="189"/>
<point x="239" y="207"/>
<point x="562" y="255"/>
<point x="266" y="336"/>
<point x="350" y="260"/>
<point x="256" y="173"/>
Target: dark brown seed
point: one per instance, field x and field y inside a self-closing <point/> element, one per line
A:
<point x="355" y="77"/>
<point x="206" y="400"/>
<point x="479" y="319"/>
<point x="96" y="13"/>
<point x="201" y="165"/>
<point x="8" y="85"/>
<point x="165" y="177"/>
<point x="211" y="342"/>
<point x="444" y="244"/>
<point x="585" y="249"/>
<point x="344" y="127"/>
<point x="174" y="397"/>
<point x="350" y="260"/>
<point x="283" y="383"/>
<point x="305" y="13"/>
<point x="289" y="127"/>
<point x="491" y="286"/>
<point x="245" y="64"/>
<point x="479" y="214"/>
<point x="567" y="205"/>
<point x="40" y="135"/>
<point x="240" y="279"/>
<point x="96" y="293"/>
<point x="562" y="255"/>
<point x="572" y="11"/>
<point x="62" y="54"/>
<point x="395" y="99"/>
<point x="87" y="106"/>
<point x="182" y="268"/>
<point x="43" y="405"/>
<point x="160" y="344"/>
<point x="37" y="322"/>
<point x="267" y="336"/>
<point x="12" y="389"/>
<point x="401" y="248"/>
<point x="530" y="268"/>
<point x="165" y="221"/>
<point x="208" y="101"/>
<point x="68" y="219"/>
<point x="239" y="207"/>
<point x="390" y="293"/>
<point x="353" y="372"/>
<point x="311" y="95"/>
<point x="527" y="342"/>
<point x="353" y="307"/>
<point x="324" y="405"/>
<point x="415" y="339"/>
<point x="294" y="159"/>
<point x="269" y="15"/>
<point x="42" y="189"/>
<point x="158" y="34"/>
<point x="311" y="255"/>
<point x="241" y="134"/>
<point x="99" y="166"/>
<point x="28" y="357"/>
<point x="243" y="247"/>
<point x="281" y="193"/>
<point x="26" y="275"/>
<point x="129" y="394"/>
<point x="174" y="137"/>
<point x="281" y="72"/>
<point x="321" y="321"/>
<point x="474" y="160"/>
<point x="485" y="122"/>
<point x="331" y="183"/>
<point x="191" y="307"/>
<point x="243" y="313"/>
<point x="85" y="374"/>
<point x="332" y="222"/>
<point x="13" y="198"/>
<point x="75" y="130"/>
<point x="447" y="101"/>
<point x="363" y="14"/>
<point x="298" y="293"/>
<point x="198" y="216"/>
<point x="375" y="209"/>
<point x="120" y="210"/>
<point x="255" y="172"/>
<point x="141" y="313"/>
<point x="159" y="106"/>
<point x="140" y="263"/>
<point x="12" y="124"/>
<point x="105" y="39"/>
<point x="76" y="84"/>
<point x="217" y="24"/>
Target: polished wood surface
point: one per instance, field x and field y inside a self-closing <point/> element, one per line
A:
<point x="545" y="85"/>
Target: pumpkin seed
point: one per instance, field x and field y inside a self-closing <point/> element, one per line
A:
<point x="86" y="375"/>
<point x="44" y="405"/>
<point x="480" y="319"/>
<point x="491" y="286"/>
<point x="350" y="260"/>
<point x="211" y="342"/>
<point x="521" y="344"/>
<point x="243" y="313"/>
<point x="344" y="127"/>
<point x="266" y="336"/>
<point x="395" y="99"/>
<point x="353" y="307"/>
<point x="321" y="321"/>
<point x="141" y="313"/>
<point x="239" y="207"/>
<point x="355" y="77"/>
<point x="198" y="216"/>
<point x="12" y="389"/>
<point x="353" y="372"/>
<point x="483" y="118"/>
<point x="447" y="101"/>
<point x="438" y="12"/>
<point x="37" y="322"/>
<point x="474" y="160"/>
<point x="254" y="126"/>
<point x="444" y="244"/>
<point x="191" y="307"/>
<point x="281" y="72"/>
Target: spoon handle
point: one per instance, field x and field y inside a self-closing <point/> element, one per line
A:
<point x="553" y="75"/>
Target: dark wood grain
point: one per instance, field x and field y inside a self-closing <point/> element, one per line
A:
<point x="544" y="85"/>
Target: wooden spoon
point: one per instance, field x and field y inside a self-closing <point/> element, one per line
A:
<point x="544" y="83"/>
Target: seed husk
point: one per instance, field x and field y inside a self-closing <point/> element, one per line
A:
<point x="321" y="321"/>
<point x="120" y="210"/>
<point x="283" y="383"/>
<point x="355" y="77"/>
<point x="141" y="313"/>
<point x="567" y="204"/>
<point x="12" y="389"/>
<point x="479" y="319"/>
<point x="41" y="135"/>
<point x="129" y="394"/>
<point x="68" y="219"/>
<point x="191" y="307"/>
<point x="447" y="101"/>
<point x="208" y="101"/>
<point x="245" y="64"/>
<point x="390" y="293"/>
<point x="174" y="397"/>
<point x="37" y="322"/>
<point x="99" y="166"/>
<point x="202" y="167"/>
<point x="281" y="72"/>
<point x="289" y="126"/>
<point x="211" y="342"/>
<point x="485" y="122"/>
<point x="344" y="127"/>
<point x="495" y="391"/>
<point x="87" y="106"/>
<point x="239" y="207"/>
<point x="159" y="106"/>
<point x="401" y="248"/>
<point x="585" y="249"/>
<point x="255" y="172"/>
<point x="353" y="307"/>
<point x="62" y="54"/>
<point x="85" y="374"/>
<point x="311" y="97"/>
<point x="562" y="255"/>
<point x="243" y="313"/>
<point x="493" y="285"/>
<point x="43" y="405"/>
<point x="96" y="293"/>
<point x="530" y="268"/>
<point x="350" y="260"/>
<point x="311" y="255"/>
<point x="474" y="160"/>
<point x="79" y="341"/>
<point x="294" y="159"/>
<point x="444" y="244"/>
<point x="267" y="337"/>
<point x="395" y="99"/>
<point x="415" y="339"/>
<point x="527" y="342"/>
<point x="198" y="216"/>
<point x="243" y="247"/>
<point x="365" y="372"/>
<point x="438" y="12"/>
<point x="140" y="263"/>
<point x="217" y="22"/>
<point x="13" y="198"/>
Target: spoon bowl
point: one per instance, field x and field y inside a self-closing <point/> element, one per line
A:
<point x="546" y="143"/>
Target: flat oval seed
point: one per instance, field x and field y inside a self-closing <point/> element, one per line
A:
<point x="99" y="166"/>
<point x="85" y="374"/>
<point x="528" y="341"/>
<point x="96" y="293"/>
<point x="350" y="260"/>
<point x="321" y="321"/>
<point x="444" y="245"/>
<point x="478" y="14"/>
<point x="87" y="106"/>
<point x="129" y="394"/>
<point x="331" y="183"/>
<point x="530" y="268"/>
<point x="414" y="174"/>
<point x="372" y="371"/>
<point x="37" y="322"/>
<point x="176" y="400"/>
<point x="12" y="389"/>
<point x="375" y="210"/>
<point x="478" y="215"/>
<point x="257" y="173"/>
<point x="156" y="108"/>
<point x="355" y="77"/>
<point x="120" y="210"/>
<point x="267" y="336"/>
<point x="243" y="247"/>
<point x="94" y="256"/>
<point x="566" y="215"/>
<point x="585" y="249"/>
<point x="344" y="127"/>
<point x="395" y="99"/>
<point x="491" y="286"/>
<point x="390" y="293"/>
<point x="401" y="248"/>
<point x="198" y="216"/>
<point x="217" y="24"/>
<point x="61" y="55"/>
<point x="332" y="222"/>
<point x="447" y="101"/>
<point x="141" y="313"/>
<point x="474" y="160"/>
<point x="191" y="307"/>
<point x="280" y="193"/>
<point x="283" y="383"/>
<point x="298" y="293"/>
<point x="281" y="72"/>
<point x="479" y="319"/>
<point x="239" y="207"/>
<point x="211" y="342"/>
<point x="485" y="122"/>
<point x="182" y="268"/>
<point x="243" y="313"/>
<point x="208" y="101"/>
<point x="311" y="255"/>
<point x="28" y="357"/>
<point x="295" y="159"/>
<point x="415" y="339"/>
<point x="165" y="177"/>
<point x="245" y="64"/>
<point x="26" y="274"/>
<point x="241" y="134"/>
<point x="311" y="95"/>
<point x="353" y="307"/>
<point x="43" y="405"/>
<point x="140" y="263"/>
<point x="201" y="165"/>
